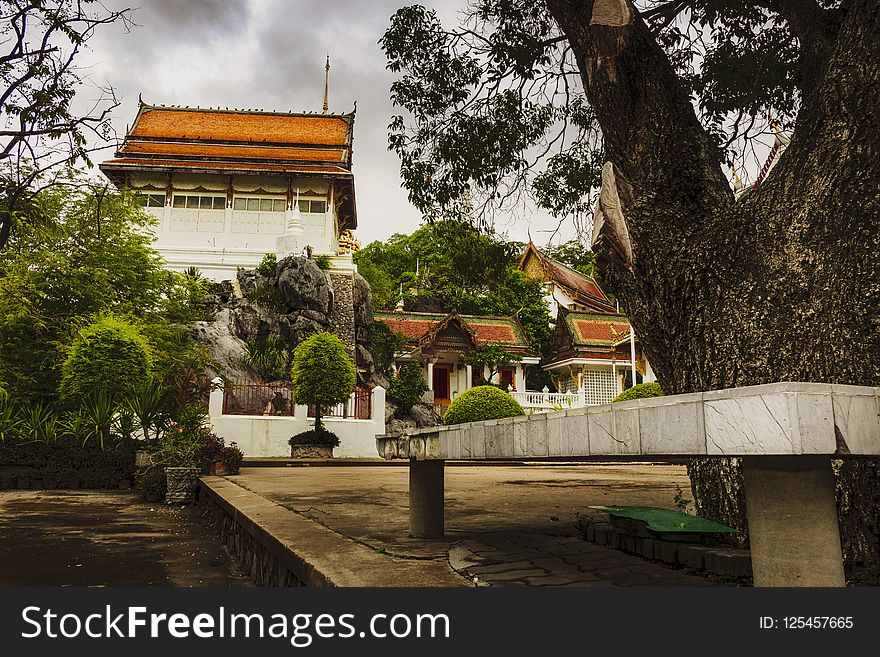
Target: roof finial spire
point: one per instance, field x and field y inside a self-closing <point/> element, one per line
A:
<point x="326" y="83"/>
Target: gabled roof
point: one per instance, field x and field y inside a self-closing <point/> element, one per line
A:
<point x="597" y="329"/>
<point x="234" y="140"/>
<point x="194" y="140"/>
<point x="419" y="328"/>
<point x="578" y="286"/>
<point x="602" y="336"/>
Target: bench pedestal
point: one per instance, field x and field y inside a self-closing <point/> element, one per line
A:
<point x="792" y="513"/>
<point x="426" y="503"/>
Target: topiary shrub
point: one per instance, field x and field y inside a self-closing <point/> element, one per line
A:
<point x="408" y="387"/>
<point x="640" y="391"/>
<point x="482" y="403"/>
<point x="109" y="356"/>
<point x="322" y="373"/>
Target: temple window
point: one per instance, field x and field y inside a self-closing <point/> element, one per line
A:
<point x="198" y="212"/>
<point x="258" y="214"/>
<point x="312" y="207"/>
<point x="151" y="200"/>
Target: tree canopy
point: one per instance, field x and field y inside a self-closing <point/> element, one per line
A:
<point x="93" y="258"/>
<point x="495" y="106"/>
<point x="446" y="266"/>
<point x="40" y="131"/>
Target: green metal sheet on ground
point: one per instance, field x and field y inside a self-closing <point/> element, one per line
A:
<point x="667" y="520"/>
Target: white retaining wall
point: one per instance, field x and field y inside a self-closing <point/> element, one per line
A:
<point x="259" y="435"/>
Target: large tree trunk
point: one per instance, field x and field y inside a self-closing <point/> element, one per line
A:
<point x="781" y="285"/>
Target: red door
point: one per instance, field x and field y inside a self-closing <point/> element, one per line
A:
<point x="441" y="383"/>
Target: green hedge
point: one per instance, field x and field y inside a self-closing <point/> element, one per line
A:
<point x="64" y="464"/>
<point x="482" y="403"/>
<point x="640" y="391"/>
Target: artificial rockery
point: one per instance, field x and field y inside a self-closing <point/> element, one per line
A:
<point x="254" y="323"/>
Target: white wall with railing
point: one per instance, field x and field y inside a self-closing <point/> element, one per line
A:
<point x="266" y="435"/>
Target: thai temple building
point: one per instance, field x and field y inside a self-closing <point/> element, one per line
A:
<point x="438" y="341"/>
<point x="594" y="349"/>
<point x="229" y="186"/>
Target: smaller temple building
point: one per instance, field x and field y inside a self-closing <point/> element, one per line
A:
<point x="439" y="341"/>
<point x="594" y="349"/>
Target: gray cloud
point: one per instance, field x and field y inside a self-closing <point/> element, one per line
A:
<point x="269" y="54"/>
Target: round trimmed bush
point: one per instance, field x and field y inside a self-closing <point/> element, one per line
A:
<point x="640" y="391"/>
<point x="110" y="356"/>
<point x="482" y="403"/>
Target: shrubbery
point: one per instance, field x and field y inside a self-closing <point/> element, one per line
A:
<point x="312" y="437"/>
<point x="640" y="391"/>
<point x="267" y="265"/>
<point x="109" y="356"/>
<point x="408" y="387"/>
<point x="64" y="463"/>
<point x="482" y="403"/>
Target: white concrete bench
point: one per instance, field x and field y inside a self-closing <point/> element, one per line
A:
<point x="787" y="434"/>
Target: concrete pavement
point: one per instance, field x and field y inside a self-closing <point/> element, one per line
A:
<point x="506" y="525"/>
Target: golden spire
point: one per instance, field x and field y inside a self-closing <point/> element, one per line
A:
<point x="326" y="82"/>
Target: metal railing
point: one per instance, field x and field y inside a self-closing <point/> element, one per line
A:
<point x="358" y="407"/>
<point x="257" y="399"/>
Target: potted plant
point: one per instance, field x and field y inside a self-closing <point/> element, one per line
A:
<point x="180" y="452"/>
<point x="217" y="458"/>
<point x="230" y="459"/>
<point x="313" y="444"/>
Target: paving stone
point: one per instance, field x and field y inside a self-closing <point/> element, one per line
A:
<point x="624" y="577"/>
<point x="501" y="568"/>
<point x="512" y="575"/>
<point x="692" y="556"/>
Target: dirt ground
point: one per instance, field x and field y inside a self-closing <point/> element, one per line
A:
<point x="107" y="538"/>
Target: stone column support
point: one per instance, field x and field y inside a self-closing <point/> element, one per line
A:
<point x="469" y="369"/>
<point x="792" y="514"/>
<point x="426" y="503"/>
<point x="430" y="375"/>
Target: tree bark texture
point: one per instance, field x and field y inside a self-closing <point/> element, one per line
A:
<point x="780" y="285"/>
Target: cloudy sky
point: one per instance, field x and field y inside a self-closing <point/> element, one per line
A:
<point x="269" y="54"/>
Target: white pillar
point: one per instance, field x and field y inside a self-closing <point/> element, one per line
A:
<point x="617" y="386"/>
<point x="430" y="375"/>
<point x="215" y="401"/>
<point x="377" y="409"/>
<point x="469" y="369"/>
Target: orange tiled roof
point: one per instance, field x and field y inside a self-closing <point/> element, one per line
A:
<point x="503" y="331"/>
<point x="231" y="151"/>
<point x="597" y="329"/>
<point x="134" y="163"/>
<point x="581" y="287"/>
<point x="216" y="125"/>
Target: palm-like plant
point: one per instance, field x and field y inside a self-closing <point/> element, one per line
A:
<point x="147" y="406"/>
<point x="99" y="412"/>
<point x="38" y="422"/>
<point x="8" y="420"/>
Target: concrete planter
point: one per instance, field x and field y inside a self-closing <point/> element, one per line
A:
<point x="181" y="485"/>
<point x="311" y="451"/>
